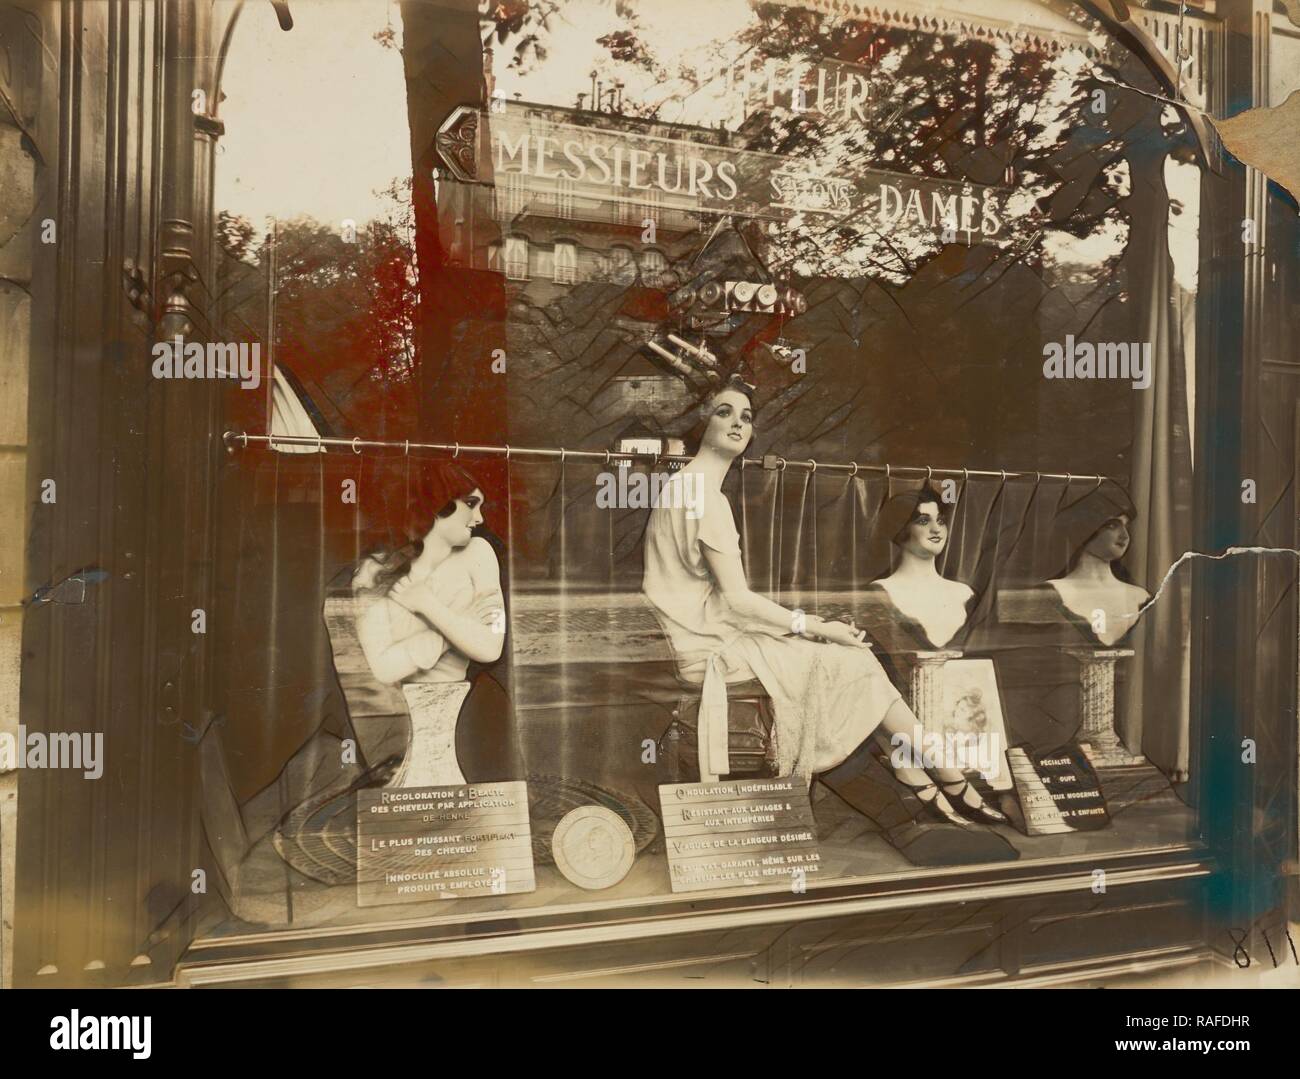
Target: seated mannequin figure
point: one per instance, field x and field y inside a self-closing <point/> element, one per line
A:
<point x="1095" y="592"/>
<point x="828" y="690"/>
<point x="922" y="610"/>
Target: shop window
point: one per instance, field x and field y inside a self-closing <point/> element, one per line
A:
<point x="582" y="643"/>
<point x="543" y="263"/>
<point x="565" y="263"/>
<point x="511" y="194"/>
<point x="652" y="209"/>
<point x="563" y="197"/>
<point x="517" y="258"/>
<point x="622" y="265"/>
<point x="654" y="268"/>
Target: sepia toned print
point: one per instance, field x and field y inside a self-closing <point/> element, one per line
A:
<point x="802" y="490"/>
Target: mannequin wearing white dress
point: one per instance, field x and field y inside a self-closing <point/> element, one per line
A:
<point x="829" y="691"/>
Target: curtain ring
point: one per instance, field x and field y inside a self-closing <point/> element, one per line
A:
<point x="886" y="473"/>
<point x="1100" y="481"/>
<point x="319" y="447"/>
<point x="563" y="451"/>
<point x="455" y="451"/>
<point x="813" y="469"/>
<point x="408" y="447"/>
<point x="507" y="451"/>
<point x="354" y="445"/>
<point x="1068" y="478"/>
<point x="965" y="476"/>
<point x="783" y="462"/>
<point x="246" y="439"/>
<point x="928" y="473"/>
<point x="855" y="469"/>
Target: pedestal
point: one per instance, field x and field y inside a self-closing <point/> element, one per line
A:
<point x="431" y="757"/>
<point x="1097" y="707"/>
<point x="925" y="686"/>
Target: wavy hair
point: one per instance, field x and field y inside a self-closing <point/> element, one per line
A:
<point x="694" y="438"/>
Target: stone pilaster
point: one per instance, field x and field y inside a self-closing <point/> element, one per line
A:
<point x="18" y="228"/>
<point x="925" y="686"/>
<point x="1097" y="706"/>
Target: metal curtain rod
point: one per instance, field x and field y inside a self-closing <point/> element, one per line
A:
<point x="241" y="439"/>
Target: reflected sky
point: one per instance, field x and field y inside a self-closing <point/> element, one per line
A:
<point x="316" y="116"/>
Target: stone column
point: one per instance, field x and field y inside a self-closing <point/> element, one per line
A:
<point x="925" y="686"/>
<point x="1097" y="706"/>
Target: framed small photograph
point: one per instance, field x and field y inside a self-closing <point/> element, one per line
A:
<point x="970" y="721"/>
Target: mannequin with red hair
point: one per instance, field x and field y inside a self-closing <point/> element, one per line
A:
<point x="428" y="605"/>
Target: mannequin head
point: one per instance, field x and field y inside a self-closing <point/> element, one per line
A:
<point x="440" y="502"/>
<point x="1111" y="541"/>
<point x="911" y="525"/>
<point x="726" y="424"/>
<point x="454" y="524"/>
<point x="445" y="502"/>
<point x="925" y="535"/>
<point x="1098" y="525"/>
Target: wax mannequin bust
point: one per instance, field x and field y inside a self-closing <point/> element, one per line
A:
<point x="1095" y="591"/>
<point x="928" y="607"/>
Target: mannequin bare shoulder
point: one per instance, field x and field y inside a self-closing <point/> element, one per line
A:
<point x="1092" y="591"/>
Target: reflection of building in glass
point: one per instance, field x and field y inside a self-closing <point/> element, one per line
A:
<point x="556" y="211"/>
<point x="581" y="211"/>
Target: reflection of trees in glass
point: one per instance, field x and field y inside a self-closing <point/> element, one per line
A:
<point x="960" y="110"/>
<point x="913" y="338"/>
<point x="346" y="308"/>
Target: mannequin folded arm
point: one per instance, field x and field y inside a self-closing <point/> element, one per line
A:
<point x="390" y="659"/>
<point x="479" y="634"/>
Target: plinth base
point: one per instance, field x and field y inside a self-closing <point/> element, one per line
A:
<point x="1107" y="751"/>
<point x="1129" y="784"/>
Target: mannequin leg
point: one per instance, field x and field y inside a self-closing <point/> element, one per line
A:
<point x="901" y="723"/>
<point x="867" y="783"/>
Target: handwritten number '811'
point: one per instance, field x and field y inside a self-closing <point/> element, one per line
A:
<point x="1239" y="951"/>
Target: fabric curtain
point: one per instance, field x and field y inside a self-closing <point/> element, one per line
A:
<point x="1157" y="693"/>
<point x="593" y="673"/>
